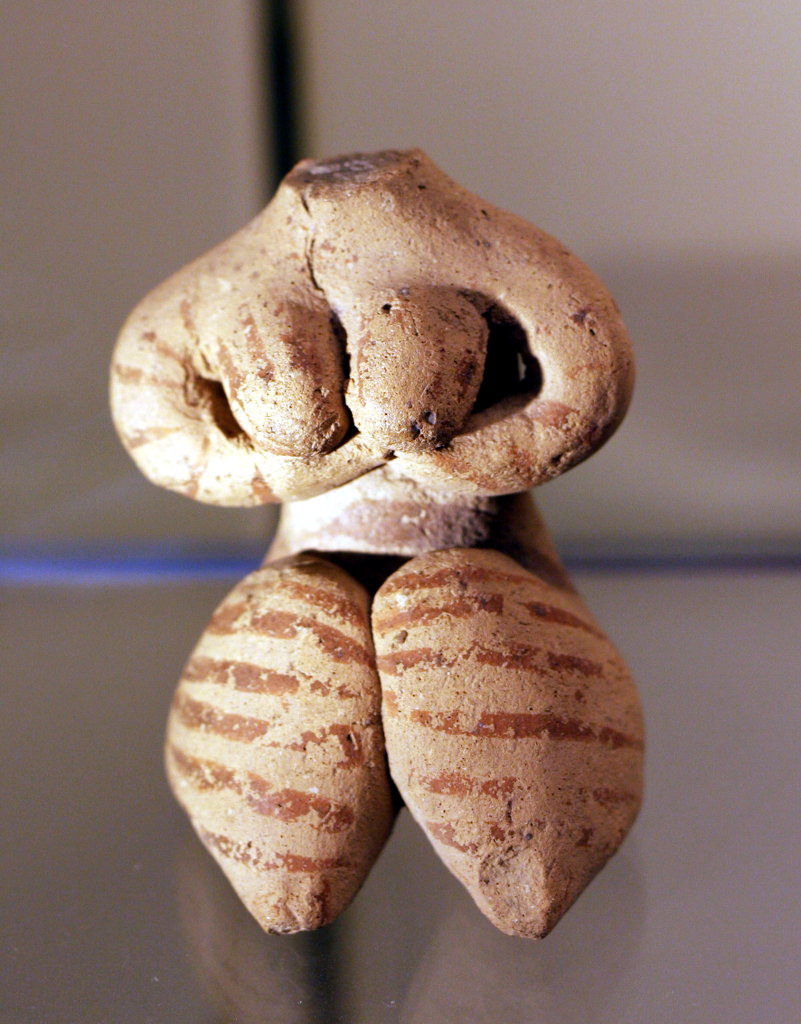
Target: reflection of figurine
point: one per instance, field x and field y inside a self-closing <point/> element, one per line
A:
<point x="398" y="359"/>
<point x="242" y="971"/>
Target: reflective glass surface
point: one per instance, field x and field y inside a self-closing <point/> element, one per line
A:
<point x="113" y="912"/>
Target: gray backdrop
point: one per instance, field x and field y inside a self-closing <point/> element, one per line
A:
<point x="658" y="141"/>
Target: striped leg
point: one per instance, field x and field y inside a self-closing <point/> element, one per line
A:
<point x="512" y="727"/>
<point x="275" y="747"/>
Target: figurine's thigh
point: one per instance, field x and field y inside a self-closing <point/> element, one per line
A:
<point x="274" y="742"/>
<point x="512" y="727"/>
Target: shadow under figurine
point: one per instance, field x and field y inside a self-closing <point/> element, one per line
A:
<point x="397" y="360"/>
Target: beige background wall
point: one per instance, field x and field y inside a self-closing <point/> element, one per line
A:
<point x="661" y="142"/>
<point x="131" y="142"/>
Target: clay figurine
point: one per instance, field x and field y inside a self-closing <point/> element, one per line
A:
<point x="398" y="362"/>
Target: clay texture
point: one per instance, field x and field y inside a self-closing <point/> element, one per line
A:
<point x="275" y="747"/>
<point x="513" y="730"/>
<point x="229" y="384"/>
<point x="398" y="360"/>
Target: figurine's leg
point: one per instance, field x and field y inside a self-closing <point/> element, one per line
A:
<point x="512" y="727"/>
<point x="274" y="742"/>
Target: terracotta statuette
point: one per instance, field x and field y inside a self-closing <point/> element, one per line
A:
<point x="397" y="361"/>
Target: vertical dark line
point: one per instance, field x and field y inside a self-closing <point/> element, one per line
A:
<point x="325" y="959"/>
<point x="282" y="110"/>
<point x="322" y="962"/>
<point x="282" y="85"/>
